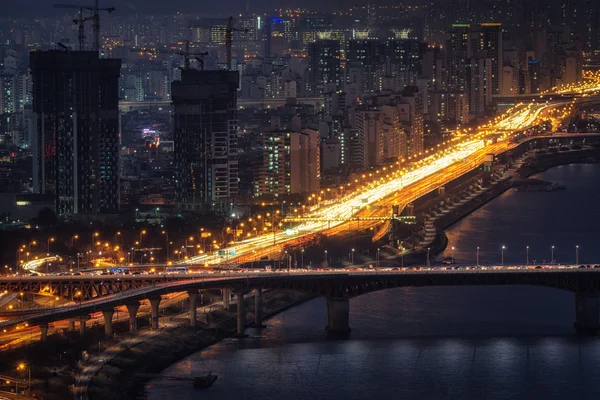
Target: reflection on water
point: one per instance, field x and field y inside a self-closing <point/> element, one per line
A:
<point x="438" y="342"/>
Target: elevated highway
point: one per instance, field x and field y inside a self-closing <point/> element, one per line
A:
<point x="337" y="286"/>
<point x="403" y="185"/>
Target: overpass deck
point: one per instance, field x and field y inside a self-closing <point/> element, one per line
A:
<point x="342" y="283"/>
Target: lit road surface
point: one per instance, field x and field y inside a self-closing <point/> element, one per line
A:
<point x="13" y="333"/>
<point x="26" y="334"/>
<point x="33" y="265"/>
<point x="408" y="185"/>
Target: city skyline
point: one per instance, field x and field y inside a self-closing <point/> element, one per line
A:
<point x="151" y="7"/>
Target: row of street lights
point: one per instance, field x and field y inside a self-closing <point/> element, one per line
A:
<point x="503" y="248"/>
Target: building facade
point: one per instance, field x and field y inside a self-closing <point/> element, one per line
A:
<point x="76" y="144"/>
<point x="205" y="139"/>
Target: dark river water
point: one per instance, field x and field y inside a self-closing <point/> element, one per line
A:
<point x="439" y="342"/>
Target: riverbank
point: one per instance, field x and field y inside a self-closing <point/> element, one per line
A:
<point x="540" y="162"/>
<point x="125" y="375"/>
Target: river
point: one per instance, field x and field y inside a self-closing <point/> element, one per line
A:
<point x="440" y="342"/>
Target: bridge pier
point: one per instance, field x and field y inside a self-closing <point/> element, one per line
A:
<point x="82" y="326"/>
<point x="71" y="325"/>
<point x="193" y="295"/>
<point x="154" y="303"/>
<point x="226" y="298"/>
<point x="132" y="309"/>
<point x="241" y="315"/>
<point x="338" y="316"/>
<point x="108" y="325"/>
<point x="43" y="332"/>
<point x="587" y="313"/>
<point x="258" y="311"/>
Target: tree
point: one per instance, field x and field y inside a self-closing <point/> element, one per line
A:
<point x="46" y="217"/>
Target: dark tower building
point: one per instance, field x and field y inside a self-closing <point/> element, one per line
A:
<point x="205" y="108"/>
<point x="76" y="148"/>
<point x="323" y="66"/>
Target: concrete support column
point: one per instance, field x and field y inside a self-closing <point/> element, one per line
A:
<point x="258" y="311"/>
<point x="71" y="325"/>
<point x="82" y="327"/>
<point x="132" y="309"/>
<point x="43" y="332"/>
<point x="193" y="295"/>
<point x="241" y="315"/>
<point x="587" y="313"/>
<point x="108" y="326"/>
<point x="338" y="316"/>
<point x="154" y="303"/>
<point x="226" y="298"/>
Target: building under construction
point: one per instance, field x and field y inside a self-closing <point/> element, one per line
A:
<point x="205" y="135"/>
<point x="76" y="148"/>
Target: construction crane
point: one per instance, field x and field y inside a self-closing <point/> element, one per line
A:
<point x="96" y="18"/>
<point x="186" y="53"/>
<point x="229" y="40"/>
<point x="81" y="34"/>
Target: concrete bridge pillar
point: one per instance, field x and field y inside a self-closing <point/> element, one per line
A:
<point x="154" y="303"/>
<point x="108" y="324"/>
<point x="338" y="316"/>
<point x="241" y="314"/>
<point x="587" y="313"/>
<point x="226" y="298"/>
<point x="193" y="295"/>
<point x="71" y="325"/>
<point x="43" y="332"/>
<point x="82" y="327"/>
<point x="132" y="309"/>
<point x="258" y="311"/>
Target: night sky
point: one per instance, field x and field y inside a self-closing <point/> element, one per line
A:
<point x="31" y="8"/>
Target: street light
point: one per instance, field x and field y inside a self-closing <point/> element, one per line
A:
<point x="428" y="249"/>
<point x="94" y="235"/>
<point x="302" y="256"/>
<point x="577" y="255"/>
<point x="503" y="248"/>
<point x="326" y="260"/>
<point x="142" y="232"/>
<point x="377" y="264"/>
<point x="352" y="253"/>
<point x="191" y="239"/>
<point x="452" y="255"/>
<point x="167" y="236"/>
<point x="527" y="255"/>
<point x="48" y="242"/>
<point x="552" y="256"/>
<point x="22" y="367"/>
<point x="478" y="256"/>
<point x="287" y="261"/>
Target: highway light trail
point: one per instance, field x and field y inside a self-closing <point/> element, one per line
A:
<point x="465" y="147"/>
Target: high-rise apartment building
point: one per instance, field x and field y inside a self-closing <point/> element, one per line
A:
<point x="76" y="146"/>
<point x="414" y="120"/>
<point x="323" y="66"/>
<point x="487" y="39"/>
<point x="205" y="135"/>
<point x="370" y="125"/>
<point x="291" y="163"/>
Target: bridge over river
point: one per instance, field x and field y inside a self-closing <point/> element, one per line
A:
<point x="104" y="293"/>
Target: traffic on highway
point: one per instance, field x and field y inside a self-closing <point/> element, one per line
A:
<point x="439" y="167"/>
